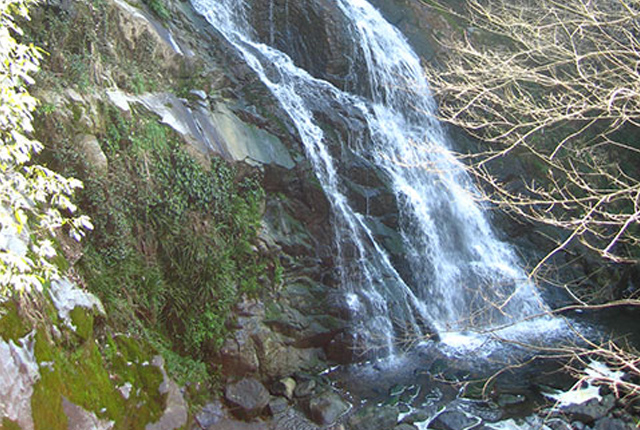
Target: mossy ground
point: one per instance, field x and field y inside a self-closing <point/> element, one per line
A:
<point x="85" y="366"/>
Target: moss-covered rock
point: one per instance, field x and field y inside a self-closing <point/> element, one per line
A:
<point x="82" y="320"/>
<point x="12" y="327"/>
<point x="91" y="376"/>
<point x="7" y="424"/>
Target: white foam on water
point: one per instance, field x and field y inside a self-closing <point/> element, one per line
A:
<point x="529" y="332"/>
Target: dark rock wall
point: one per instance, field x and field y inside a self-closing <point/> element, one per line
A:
<point x="313" y="33"/>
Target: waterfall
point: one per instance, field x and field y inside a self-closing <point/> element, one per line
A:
<point x="458" y="276"/>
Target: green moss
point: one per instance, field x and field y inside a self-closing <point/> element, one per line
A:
<point x="7" y="424"/>
<point x="130" y="349"/>
<point x="88" y="379"/>
<point x="46" y="401"/>
<point x="82" y="319"/>
<point x="132" y="364"/>
<point x="80" y="376"/>
<point x="183" y="369"/>
<point x="12" y="327"/>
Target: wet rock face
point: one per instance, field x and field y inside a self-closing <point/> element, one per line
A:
<point x="312" y="32"/>
<point x="346" y="347"/>
<point x="417" y="21"/>
<point x="256" y="349"/>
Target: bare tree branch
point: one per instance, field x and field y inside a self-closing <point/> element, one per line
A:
<point x="560" y="89"/>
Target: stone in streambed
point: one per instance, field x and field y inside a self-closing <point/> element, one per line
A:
<point x="305" y="388"/>
<point x="590" y="411"/>
<point x="327" y="408"/>
<point x="405" y="427"/>
<point x="374" y="417"/>
<point x="608" y="423"/>
<point x="506" y="400"/>
<point x="278" y="405"/>
<point x="418" y="416"/>
<point x="454" y="420"/>
<point x="247" y="398"/>
<point x="284" y="387"/>
<point x="210" y="414"/>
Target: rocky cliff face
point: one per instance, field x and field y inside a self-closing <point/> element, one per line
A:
<point x="311" y="33"/>
<point x="181" y="73"/>
<point x="115" y="77"/>
<point x="115" y="61"/>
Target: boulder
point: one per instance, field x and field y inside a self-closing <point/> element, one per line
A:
<point x="81" y="419"/>
<point x="505" y="400"/>
<point x="238" y="355"/>
<point x="308" y="331"/>
<point x="559" y="424"/>
<point x="418" y="416"/>
<point x="278" y="405"/>
<point x="176" y="411"/>
<point x="210" y="414"/>
<point x="256" y="349"/>
<point x="326" y="408"/>
<point x="247" y="398"/>
<point x="278" y="358"/>
<point x="405" y="427"/>
<point x="292" y="419"/>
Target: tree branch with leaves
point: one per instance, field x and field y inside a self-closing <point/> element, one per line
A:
<point x="35" y="202"/>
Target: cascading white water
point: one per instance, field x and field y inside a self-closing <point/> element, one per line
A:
<point x="460" y="276"/>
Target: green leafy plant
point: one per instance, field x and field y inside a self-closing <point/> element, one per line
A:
<point x="35" y="202"/>
<point x="158" y="8"/>
<point x="174" y="248"/>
